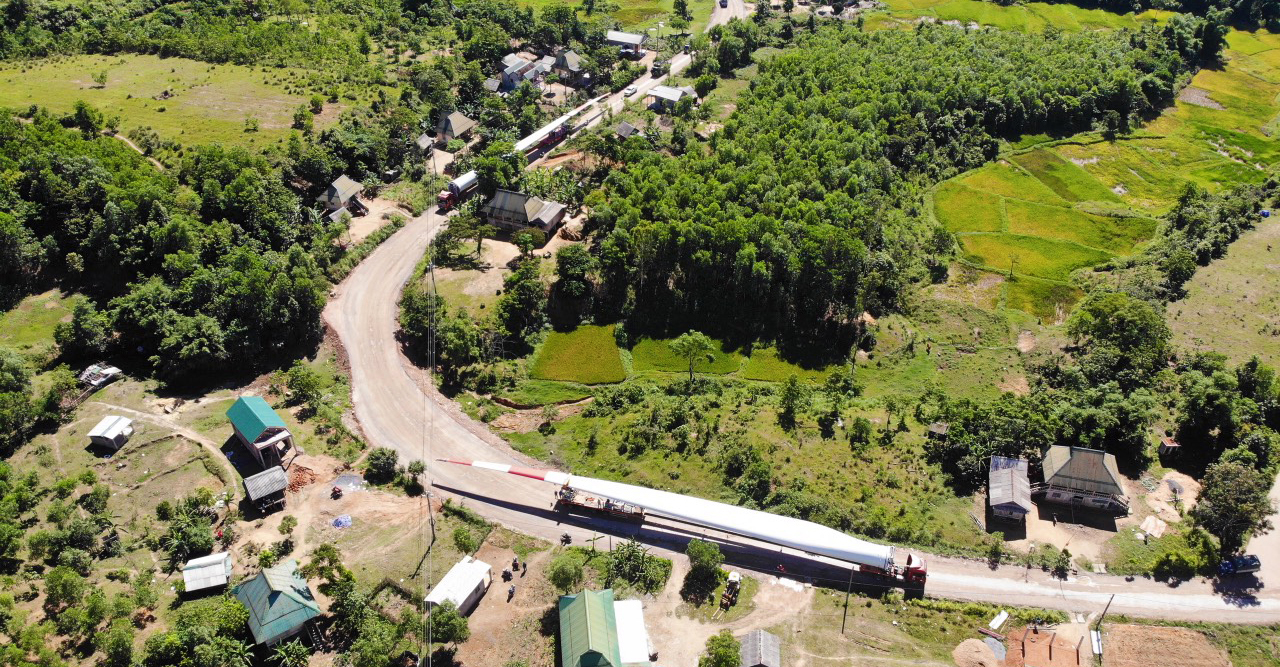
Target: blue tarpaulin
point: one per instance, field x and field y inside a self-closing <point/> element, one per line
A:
<point x="343" y="521"/>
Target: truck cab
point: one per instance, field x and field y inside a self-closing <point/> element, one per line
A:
<point x="915" y="571"/>
<point x="724" y="4"/>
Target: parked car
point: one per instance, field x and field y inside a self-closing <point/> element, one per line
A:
<point x="659" y="67"/>
<point x="629" y="91"/>
<point x="1239" y="565"/>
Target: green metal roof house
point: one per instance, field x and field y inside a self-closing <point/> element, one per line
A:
<point x="261" y="430"/>
<point x="588" y="630"/>
<point x="279" y="602"/>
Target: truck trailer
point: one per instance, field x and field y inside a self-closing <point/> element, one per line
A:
<point x="457" y="190"/>
<point x="879" y="560"/>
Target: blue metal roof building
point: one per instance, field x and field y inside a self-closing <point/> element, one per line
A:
<point x="279" y="602"/>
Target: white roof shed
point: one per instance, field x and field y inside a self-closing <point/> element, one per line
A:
<point x="207" y="572"/>
<point x="633" y="636"/>
<point x="464" y="585"/>
<point x="113" y="431"/>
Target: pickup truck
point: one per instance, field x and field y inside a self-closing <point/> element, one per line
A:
<point x="1239" y="565"/>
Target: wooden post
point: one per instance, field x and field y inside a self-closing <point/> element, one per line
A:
<point x="848" y="589"/>
<point x="1052" y="637"/>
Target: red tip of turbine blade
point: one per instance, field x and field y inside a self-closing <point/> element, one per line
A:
<point x="534" y="473"/>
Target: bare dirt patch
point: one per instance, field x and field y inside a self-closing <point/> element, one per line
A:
<point x="1026" y="341"/>
<point x="1016" y="383"/>
<point x="968" y="285"/>
<point x="974" y="653"/>
<point x="1162" y="500"/>
<point x="1199" y="97"/>
<point x="502" y="629"/>
<point x="1145" y="645"/>
<point x="380" y="211"/>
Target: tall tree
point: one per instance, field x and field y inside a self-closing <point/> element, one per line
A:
<point x="1233" y="503"/>
<point x="693" y="347"/>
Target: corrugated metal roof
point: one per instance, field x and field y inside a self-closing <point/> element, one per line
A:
<point x="110" y="427"/>
<point x="589" y="630"/>
<point x="207" y="572"/>
<point x="1082" y="469"/>
<point x="265" y="483"/>
<point x="252" y="416"/>
<point x="633" y="636"/>
<point x="460" y="582"/>
<point x="279" y="601"/>
<point x="761" y="649"/>
<point x="619" y="37"/>
<point x="667" y="93"/>
<point x="1007" y="484"/>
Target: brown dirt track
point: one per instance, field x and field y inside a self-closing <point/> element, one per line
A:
<point x="1148" y="646"/>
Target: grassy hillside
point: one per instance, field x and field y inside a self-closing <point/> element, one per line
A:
<point x="182" y="100"/>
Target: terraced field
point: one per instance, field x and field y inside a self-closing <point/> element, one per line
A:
<point x="1051" y="207"/>
<point x="1032" y="16"/>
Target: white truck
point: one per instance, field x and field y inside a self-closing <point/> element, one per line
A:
<point x="457" y="189"/>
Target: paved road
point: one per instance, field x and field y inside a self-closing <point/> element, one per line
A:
<point x="1267" y="547"/>
<point x="397" y="409"/>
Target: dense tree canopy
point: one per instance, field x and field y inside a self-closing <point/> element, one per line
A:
<point x="806" y="210"/>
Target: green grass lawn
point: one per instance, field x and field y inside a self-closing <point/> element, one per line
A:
<point x="28" y="327"/>
<point x="588" y="355"/>
<point x="765" y="364"/>
<point x="543" y="392"/>
<point x="656" y="355"/>
<point x="209" y="103"/>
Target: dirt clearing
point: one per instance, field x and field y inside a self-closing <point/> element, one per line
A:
<point x="974" y="653"/>
<point x="1145" y="645"/>
<point x="1199" y="97"/>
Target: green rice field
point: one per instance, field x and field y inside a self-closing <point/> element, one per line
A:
<point x="1032" y="16"/>
<point x="656" y="355"/>
<point x="1050" y="207"/>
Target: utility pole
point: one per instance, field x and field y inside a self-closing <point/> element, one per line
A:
<point x="1098" y="626"/>
<point x="847" y="590"/>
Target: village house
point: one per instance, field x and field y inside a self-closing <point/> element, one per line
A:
<point x="343" y="194"/>
<point x="632" y="44"/>
<point x="517" y="69"/>
<point x="569" y="65"/>
<point x="260" y="430"/>
<point x="464" y="585"/>
<point x="280" y="603"/>
<point x="266" y="489"/>
<point x="212" y="571"/>
<point x="1082" y="477"/>
<point x="514" y="211"/>
<point x="597" y="631"/>
<point x="761" y="649"/>
<point x="112" y="432"/>
<point x="454" y="125"/>
<point x="665" y="98"/>
<point x="1008" y="489"/>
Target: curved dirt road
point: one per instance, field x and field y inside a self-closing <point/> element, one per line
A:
<point x="396" y="409"/>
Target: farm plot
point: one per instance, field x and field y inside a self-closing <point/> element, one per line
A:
<point x="587" y="355"/>
<point x="656" y="355"/>
<point x="1052" y="259"/>
<point x="1115" y="235"/>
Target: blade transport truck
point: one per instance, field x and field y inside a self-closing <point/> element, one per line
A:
<point x="879" y="560"/>
<point x="457" y="190"/>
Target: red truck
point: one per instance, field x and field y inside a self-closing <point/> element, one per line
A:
<point x="457" y="189"/>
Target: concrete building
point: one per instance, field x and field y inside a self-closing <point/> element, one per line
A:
<point x="1009" y="489"/>
<point x="260" y="430"/>
<point x="207" y="572"/>
<point x="280" y="603"/>
<point x="1082" y="477"/>
<point x="514" y="211"/>
<point x="112" y="432"/>
<point x="464" y="585"/>
<point x="761" y="649"/>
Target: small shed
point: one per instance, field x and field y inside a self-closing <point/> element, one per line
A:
<point x="342" y="192"/>
<point x="631" y="43"/>
<point x="423" y="142"/>
<point x="454" y="125"/>
<point x="279" y="601"/>
<point x="1008" y="489"/>
<point x="260" y="430"/>
<point x="938" y="430"/>
<point x="492" y="85"/>
<point x="588" y="630"/>
<point x="1169" y="446"/>
<point x="761" y="649"/>
<point x="625" y="130"/>
<point x="112" y="432"/>
<point x="207" y="572"/>
<point x="633" y="637"/>
<point x="267" y="487"/>
<point x="100" y="375"/>
<point x="464" y="585"/>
